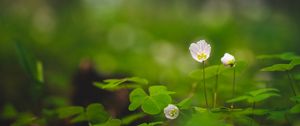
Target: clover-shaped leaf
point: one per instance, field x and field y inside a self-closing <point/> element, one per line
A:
<point x="96" y="114"/>
<point x="137" y="97"/>
<point x="158" y="98"/>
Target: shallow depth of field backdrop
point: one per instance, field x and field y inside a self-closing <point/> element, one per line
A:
<point x="74" y="43"/>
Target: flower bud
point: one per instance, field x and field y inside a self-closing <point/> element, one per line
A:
<point x="228" y="60"/>
<point x="171" y="111"/>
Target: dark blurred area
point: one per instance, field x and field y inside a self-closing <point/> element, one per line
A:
<point x="82" y="41"/>
<point x="85" y="93"/>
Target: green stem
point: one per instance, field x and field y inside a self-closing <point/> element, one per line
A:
<point x="233" y="87"/>
<point x="216" y="88"/>
<point x="205" y="93"/>
<point x="291" y="83"/>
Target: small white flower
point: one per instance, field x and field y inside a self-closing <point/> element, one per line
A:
<point x="228" y="60"/>
<point x="200" y="51"/>
<point x="171" y="111"/>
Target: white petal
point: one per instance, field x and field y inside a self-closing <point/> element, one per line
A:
<point x="194" y="50"/>
<point x="206" y="48"/>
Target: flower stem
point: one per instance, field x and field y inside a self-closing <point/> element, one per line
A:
<point x="233" y="88"/>
<point x="205" y="93"/>
<point x="291" y="83"/>
<point x="216" y="88"/>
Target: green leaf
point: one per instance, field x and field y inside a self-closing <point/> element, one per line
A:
<point x="9" y="112"/>
<point x="238" y="99"/>
<point x="96" y="114"/>
<point x="156" y="90"/>
<point x="295" y="98"/>
<point x="277" y="67"/>
<point x="66" y="112"/>
<point x="206" y="119"/>
<point x="210" y="71"/>
<point x="185" y="103"/>
<point x="151" y="124"/>
<point x="200" y="109"/>
<point x="283" y="56"/>
<point x="79" y="118"/>
<point x="136" y="97"/>
<point x="262" y="97"/>
<point x="261" y="91"/>
<point x="224" y="109"/>
<point x="129" y="119"/>
<point x="256" y="95"/>
<point x="27" y="61"/>
<point x="295" y="109"/>
<point x="249" y="111"/>
<point x="295" y="62"/>
<point x="283" y="67"/>
<point x="106" y="86"/>
<point x="111" y="122"/>
<point x="138" y="80"/>
<point x="24" y="119"/>
<point x="152" y="104"/>
<point x="115" y="84"/>
<point x="32" y="67"/>
<point x="277" y="115"/>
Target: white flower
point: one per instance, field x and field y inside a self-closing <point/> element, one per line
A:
<point x="171" y="111"/>
<point x="228" y="60"/>
<point x="200" y="51"/>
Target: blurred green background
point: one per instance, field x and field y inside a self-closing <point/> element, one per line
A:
<point x="145" y="38"/>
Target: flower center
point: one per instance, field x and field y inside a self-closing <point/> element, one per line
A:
<point x="173" y="112"/>
<point x="202" y="56"/>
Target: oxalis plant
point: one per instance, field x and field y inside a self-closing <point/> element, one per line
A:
<point x="211" y="108"/>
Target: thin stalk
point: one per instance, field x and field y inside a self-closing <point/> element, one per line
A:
<point x="253" y="107"/>
<point x="205" y="93"/>
<point x="291" y="83"/>
<point x="216" y="88"/>
<point x="233" y="87"/>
